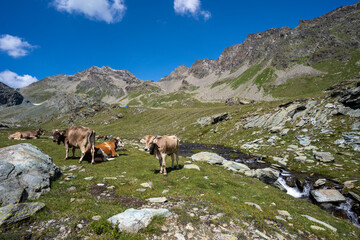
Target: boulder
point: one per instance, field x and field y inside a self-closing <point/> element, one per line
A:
<point x="324" y="157"/>
<point x="16" y="212"/>
<point x="211" y="158"/>
<point x="25" y="173"/>
<point x="214" y="119"/>
<point x="132" y="220"/>
<point x="320" y="182"/>
<point x="327" y="195"/>
<point x="267" y="175"/>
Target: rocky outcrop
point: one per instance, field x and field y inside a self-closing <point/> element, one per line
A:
<point x="16" y="212"/>
<point x="214" y="119"/>
<point x="178" y="74"/>
<point x="9" y="96"/>
<point x="202" y="68"/>
<point x="25" y="173"/>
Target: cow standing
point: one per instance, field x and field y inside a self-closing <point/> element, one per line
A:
<point x="76" y="137"/>
<point x="161" y="147"/>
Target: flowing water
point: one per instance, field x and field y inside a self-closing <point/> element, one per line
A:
<point x="349" y="210"/>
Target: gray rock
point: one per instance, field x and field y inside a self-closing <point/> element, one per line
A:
<point x="355" y="126"/>
<point x="267" y="175"/>
<point x="157" y="200"/>
<point x="324" y="157"/>
<point x="211" y="158"/>
<point x="320" y="222"/>
<point x="275" y="129"/>
<point x="320" y="182"/>
<point x="327" y="195"/>
<point x="25" y="173"/>
<point x="352" y="139"/>
<point x="284" y="132"/>
<point x="272" y="140"/>
<point x="236" y="166"/>
<point x="303" y="140"/>
<point x="191" y="166"/>
<point x="214" y="119"/>
<point x="16" y="212"/>
<point x="133" y="220"/>
<point x="254" y="205"/>
<point x="355" y="196"/>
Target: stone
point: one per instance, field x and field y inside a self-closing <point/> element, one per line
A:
<point x="25" y="173"/>
<point x="284" y="132"/>
<point x="320" y="222"/>
<point x="157" y="200"/>
<point x="179" y="236"/>
<point x="191" y="166"/>
<point x="324" y="157"/>
<point x="16" y="212"/>
<point x="300" y="159"/>
<point x="236" y="166"/>
<point x="320" y="182"/>
<point x="254" y="205"/>
<point x="349" y="184"/>
<point x="71" y="189"/>
<point x="88" y="178"/>
<point x="214" y="119"/>
<point x="303" y="140"/>
<point x="96" y="218"/>
<point x="132" y="220"/>
<point x="355" y="196"/>
<point x="317" y="228"/>
<point x="267" y="175"/>
<point x="141" y="190"/>
<point x="327" y="195"/>
<point x="284" y="213"/>
<point x="165" y="191"/>
<point x="276" y="129"/>
<point x="272" y="140"/>
<point x="211" y="158"/>
<point x="147" y="185"/>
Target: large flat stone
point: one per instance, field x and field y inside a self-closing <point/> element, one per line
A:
<point x="327" y="195"/>
<point x="132" y="220"/>
<point x="209" y="157"/>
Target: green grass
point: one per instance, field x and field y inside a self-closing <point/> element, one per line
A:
<point x="265" y="77"/>
<point x="245" y="76"/>
<point x="141" y="167"/>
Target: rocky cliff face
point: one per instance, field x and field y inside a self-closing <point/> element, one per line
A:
<point x="9" y="96"/>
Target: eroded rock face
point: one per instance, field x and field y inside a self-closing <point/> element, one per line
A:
<point x="16" y="212"/>
<point x="25" y="173"/>
<point x="9" y="96"/>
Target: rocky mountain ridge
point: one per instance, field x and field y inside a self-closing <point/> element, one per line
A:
<point x="9" y="96"/>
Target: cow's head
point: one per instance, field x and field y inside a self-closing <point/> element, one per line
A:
<point x="40" y="132"/>
<point x="58" y="136"/>
<point x="118" y="143"/>
<point x="150" y="143"/>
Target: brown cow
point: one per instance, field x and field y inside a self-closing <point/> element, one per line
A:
<point x="161" y="147"/>
<point x="110" y="148"/>
<point x="106" y="151"/>
<point x="76" y="137"/>
<point x="29" y="134"/>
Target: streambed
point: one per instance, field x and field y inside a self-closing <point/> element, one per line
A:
<point x="296" y="184"/>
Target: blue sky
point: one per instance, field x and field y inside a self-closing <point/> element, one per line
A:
<point x="40" y="38"/>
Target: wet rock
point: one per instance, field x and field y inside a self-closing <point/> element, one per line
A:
<point x="191" y="166"/>
<point x="25" y="173"/>
<point x="324" y="157"/>
<point x="267" y="175"/>
<point x="132" y="220"/>
<point x="211" y="158"/>
<point x="320" y="182"/>
<point x="290" y="181"/>
<point x="327" y="195"/>
<point x="16" y="212"/>
<point x="355" y="196"/>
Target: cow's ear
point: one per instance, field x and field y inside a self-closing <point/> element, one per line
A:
<point x="142" y="141"/>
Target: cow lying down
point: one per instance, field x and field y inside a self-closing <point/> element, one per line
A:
<point x="29" y="134"/>
<point x="162" y="146"/>
<point x="106" y="151"/>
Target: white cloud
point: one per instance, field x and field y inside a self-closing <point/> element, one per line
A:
<point x="14" y="46"/>
<point x="110" y="11"/>
<point x="190" y="7"/>
<point x="14" y="80"/>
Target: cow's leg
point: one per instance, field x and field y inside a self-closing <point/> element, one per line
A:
<point x="163" y="165"/>
<point x="172" y="161"/>
<point x="73" y="151"/>
<point x="92" y="153"/>
<point x="82" y="149"/>
<point x="177" y="160"/>
<point x="113" y="152"/>
<point x="66" y="150"/>
<point x="160" y="163"/>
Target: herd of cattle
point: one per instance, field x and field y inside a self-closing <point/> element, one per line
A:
<point x="84" y="139"/>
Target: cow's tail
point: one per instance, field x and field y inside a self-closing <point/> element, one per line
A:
<point x="90" y="139"/>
